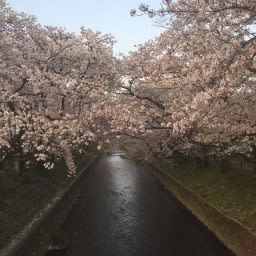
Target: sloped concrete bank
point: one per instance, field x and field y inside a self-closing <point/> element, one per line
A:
<point x="235" y="236"/>
<point x="35" y="238"/>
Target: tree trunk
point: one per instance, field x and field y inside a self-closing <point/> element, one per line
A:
<point x="199" y="162"/>
<point x="225" y="165"/>
<point x="254" y="158"/>
<point x="206" y="162"/>
<point x="241" y="164"/>
<point x="20" y="168"/>
<point x="1" y="170"/>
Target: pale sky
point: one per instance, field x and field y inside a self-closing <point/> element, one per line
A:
<point x="104" y="15"/>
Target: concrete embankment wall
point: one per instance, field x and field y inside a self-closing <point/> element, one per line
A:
<point x="237" y="237"/>
<point x="36" y="237"/>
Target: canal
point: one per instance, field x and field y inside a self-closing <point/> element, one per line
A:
<point x="124" y="211"/>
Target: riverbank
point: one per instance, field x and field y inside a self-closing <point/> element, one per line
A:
<point x="28" y="200"/>
<point x="206" y="193"/>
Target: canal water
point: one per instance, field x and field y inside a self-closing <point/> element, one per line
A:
<point x="124" y="211"/>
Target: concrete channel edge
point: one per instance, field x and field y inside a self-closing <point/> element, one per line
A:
<point x="226" y="229"/>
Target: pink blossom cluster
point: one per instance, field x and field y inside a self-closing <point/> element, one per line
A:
<point x="192" y="90"/>
<point x="52" y="83"/>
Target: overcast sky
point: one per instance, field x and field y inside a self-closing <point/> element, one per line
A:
<point x="104" y="15"/>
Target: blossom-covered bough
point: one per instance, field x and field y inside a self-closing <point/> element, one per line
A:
<point x="190" y="92"/>
<point x="52" y="83"/>
<point x="197" y="81"/>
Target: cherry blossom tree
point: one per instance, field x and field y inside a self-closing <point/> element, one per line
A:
<point x="191" y="91"/>
<point x="52" y="86"/>
<point x="197" y="80"/>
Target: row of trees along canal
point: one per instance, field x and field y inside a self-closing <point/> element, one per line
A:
<point x="189" y="92"/>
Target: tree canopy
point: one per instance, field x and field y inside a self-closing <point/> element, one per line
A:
<point x="191" y="91"/>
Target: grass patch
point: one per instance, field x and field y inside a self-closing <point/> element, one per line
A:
<point x="233" y="193"/>
<point x="60" y="238"/>
<point x="10" y="180"/>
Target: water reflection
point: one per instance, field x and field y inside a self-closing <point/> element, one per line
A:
<point x="119" y="153"/>
<point x="123" y="179"/>
<point x="123" y="173"/>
